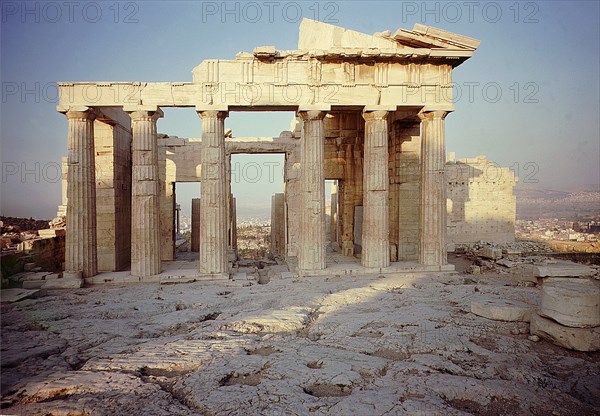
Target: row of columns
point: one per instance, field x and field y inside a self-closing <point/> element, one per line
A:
<point x="81" y="254"/>
<point x="375" y="229"/>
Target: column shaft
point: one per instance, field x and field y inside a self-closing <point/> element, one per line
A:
<point x="375" y="229"/>
<point x="213" y="195"/>
<point x="145" y="207"/>
<point x="80" y="250"/>
<point x="432" y="236"/>
<point x="312" y="233"/>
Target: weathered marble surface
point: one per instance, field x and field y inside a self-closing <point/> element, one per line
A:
<point x="337" y="346"/>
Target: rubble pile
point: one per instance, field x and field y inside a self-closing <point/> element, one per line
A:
<point x="30" y="245"/>
<point x="17" y="230"/>
<point x="519" y="257"/>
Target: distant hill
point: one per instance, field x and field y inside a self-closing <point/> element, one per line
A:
<point x="547" y="203"/>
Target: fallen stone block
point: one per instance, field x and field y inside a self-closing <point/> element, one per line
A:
<point x="52" y="232"/>
<point x="563" y="269"/>
<point x="15" y="295"/>
<point x="574" y="303"/>
<point x="29" y="267"/>
<point x="507" y="263"/>
<point x="240" y="276"/>
<point x="19" y="277"/>
<point x="33" y="284"/>
<point x="491" y="253"/>
<point x="52" y="276"/>
<point x="579" y="339"/>
<point x="501" y="309"/>
<point x="63" y="283"/>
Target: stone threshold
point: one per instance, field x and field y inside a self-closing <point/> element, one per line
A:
<point x="177" y="275"/>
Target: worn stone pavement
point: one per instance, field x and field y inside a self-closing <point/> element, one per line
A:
<point x="404" y="345"/>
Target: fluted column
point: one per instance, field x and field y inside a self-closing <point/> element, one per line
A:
<point x="432" y="235"/>
<point x="80" y="251"/>
<point x="375" y="229"/>
<point x="312" y="231"/>
<point x="145" y="205"/>
<point x="213" y="195"/>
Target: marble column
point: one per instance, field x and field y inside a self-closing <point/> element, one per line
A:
<point x="312" y="231"/>
<point x="432" y="230"/>
<point x="145" y="203"/>
<point x="81" y="258"/>
<point x="375" y="229"/>
<point x="213" y="195"/>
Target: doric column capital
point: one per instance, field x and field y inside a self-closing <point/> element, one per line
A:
<point x="375" y="114"/>
<point x="307" y="115"/>
<point x="218" y="114"/>
<point x="89" y="114"/>
<point x="435" y="114"/>
<point x="144" y="114"/>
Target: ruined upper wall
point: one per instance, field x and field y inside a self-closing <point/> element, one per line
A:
<point x="335" y="67"/>
<point x="319" y="35"/>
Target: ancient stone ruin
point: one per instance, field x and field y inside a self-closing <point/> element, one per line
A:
<point x="371" y="112"/>
<point x="362" y="314"/>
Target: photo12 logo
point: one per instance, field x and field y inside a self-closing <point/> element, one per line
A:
<point x="428" y="12"/>
<point x="27" y="172"/>
<point x="69" y="11"/>
<point x="268" y="11"/>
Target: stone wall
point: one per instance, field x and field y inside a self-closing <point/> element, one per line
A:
<point x="481" y="204"/>
<point x="113" y="195"/>
<point x="405" y="173"/>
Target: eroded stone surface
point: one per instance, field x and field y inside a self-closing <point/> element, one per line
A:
<point x="295" y="346"/>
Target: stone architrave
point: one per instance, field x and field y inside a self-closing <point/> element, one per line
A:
<point x="80" y="251"/>
<point x="375" y="227"/>
<point x="145" y="207"/>
<point x="312" y="233"/>
<point x="432" y="250"/>
<point x="213" y="195"/>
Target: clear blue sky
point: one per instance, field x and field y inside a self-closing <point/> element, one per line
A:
<point x="542" y="57"/>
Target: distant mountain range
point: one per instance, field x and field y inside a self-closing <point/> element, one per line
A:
<point x="547" y="203"/>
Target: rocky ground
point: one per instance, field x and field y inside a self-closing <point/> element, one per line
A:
<point x="324" y="346"/>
